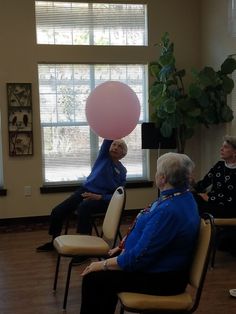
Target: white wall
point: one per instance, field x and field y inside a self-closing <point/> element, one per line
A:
<point x="216" y="44"/>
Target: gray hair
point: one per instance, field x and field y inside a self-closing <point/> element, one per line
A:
<point x="124" y="146"/>
<point x="230" y="139"/>
<point x="177" y="168"/>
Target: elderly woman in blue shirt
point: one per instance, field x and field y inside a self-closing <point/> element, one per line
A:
<point x="155" y="255"/>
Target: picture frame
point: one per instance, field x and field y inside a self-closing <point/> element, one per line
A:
<point x="20" y="122"/>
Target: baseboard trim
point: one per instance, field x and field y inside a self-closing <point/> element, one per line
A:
<point x="45" y="219"/>
<point x="24" y="220"/>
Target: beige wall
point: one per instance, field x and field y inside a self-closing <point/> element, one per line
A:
<point x="216" y="44"/>
<point x="19" y="56"/>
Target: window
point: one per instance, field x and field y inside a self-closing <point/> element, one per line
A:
<point x="76" y="23"/>
<point x="67" y="153"/>
<point x="232" y="17"/>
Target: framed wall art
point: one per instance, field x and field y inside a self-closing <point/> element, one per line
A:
<point x="20" y="125"/>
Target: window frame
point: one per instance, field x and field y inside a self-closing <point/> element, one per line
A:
<point x="3" y="192"/>
<point x="94" y="147"/>
<point x="110" y="23"/>
<point x="133" y="182"/>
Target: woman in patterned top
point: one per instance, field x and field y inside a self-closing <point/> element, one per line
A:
<point x="220" y="201"/>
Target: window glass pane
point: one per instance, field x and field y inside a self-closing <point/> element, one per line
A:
<point x="66" y="153"/>
<point x="69" y="146"/>
<point x="232" y="17"/>
<point x="135" y="160"/>
<point x="72" y="23"/>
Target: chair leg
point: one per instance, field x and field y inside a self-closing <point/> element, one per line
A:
<point x="214" y="249"/>
<point x="67" y="222"/>
<point x="120" y="235"/>
<point x="96" y="229"/>
<point x="67" y="284"/>
<point x="213" y="257"/>
<point x="56" y="272"/>
<point x="121" y="310"/>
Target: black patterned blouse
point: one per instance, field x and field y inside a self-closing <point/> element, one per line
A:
<point x="222" y="180"/>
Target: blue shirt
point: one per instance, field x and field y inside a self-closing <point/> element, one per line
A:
<point x="106" y="175"/>
<point x="164" y="236"/>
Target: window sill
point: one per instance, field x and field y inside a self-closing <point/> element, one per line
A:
<point x="3" y="192"/>
<point x="73" y="187"/>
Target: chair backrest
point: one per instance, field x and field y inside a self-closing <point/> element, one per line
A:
<point x="201" y="257"/>
<point x="112" y="219"/>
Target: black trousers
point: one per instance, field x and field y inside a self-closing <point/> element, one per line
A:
<point x="83" y="208"/>
<point x="99" y="289"/>
<point x="217" y="211"/>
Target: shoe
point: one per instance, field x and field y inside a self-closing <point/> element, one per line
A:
<point x="47" y="247"/>
<point x="232" y="292"/>
<point x="80" y="260"/>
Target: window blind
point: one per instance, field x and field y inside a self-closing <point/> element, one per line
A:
<point x="76" y="23"/>
<point x="232" y="17"/>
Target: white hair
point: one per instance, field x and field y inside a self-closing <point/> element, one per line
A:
<point x="177" y="168"/>
<point x="230" y="139"/>
<point x="123" y="144"/>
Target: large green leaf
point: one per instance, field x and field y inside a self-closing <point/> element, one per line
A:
<point x="195" y="90"/>
<point x="210" y="116"/>
<point x="176" y="119"/>
<point x="203" y="100"/>
<point x="161" y="112"/>
<point x="227" y="84"/>
<point x="156" y="91"/>
<point x="228" y="66"/>
<point x="167" y="59"/>
<point x="154" y="69"/>
<point x="194" y="112"/>
<point x="165" y="40"/>
<point x="166" y="129"/>
<point x="208" y="77"/>
<point x="226" y="114"/>
<point x="170" y="105"/>
<point x="166" y="72"/>
<point x="173" y="91"/>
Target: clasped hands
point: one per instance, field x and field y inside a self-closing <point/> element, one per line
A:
<point x="204" y="196"/>
<point x="98" y="266"/>
<point x="91" y="196"/>
<point x="94" y="266"/>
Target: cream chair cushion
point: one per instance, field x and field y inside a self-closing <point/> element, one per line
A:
<point x="77" y="245"/>
<point x="152" y="302"/>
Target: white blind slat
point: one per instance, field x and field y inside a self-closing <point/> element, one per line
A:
<point x="82" y="21"/>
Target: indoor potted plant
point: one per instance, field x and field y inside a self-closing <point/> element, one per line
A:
<point x="177" y="110"/>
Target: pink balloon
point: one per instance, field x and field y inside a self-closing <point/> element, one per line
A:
<point x="112" y="110"/>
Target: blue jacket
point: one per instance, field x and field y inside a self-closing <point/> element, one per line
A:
<point x="106" y="175"/>
<point x="164" y="236"/>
